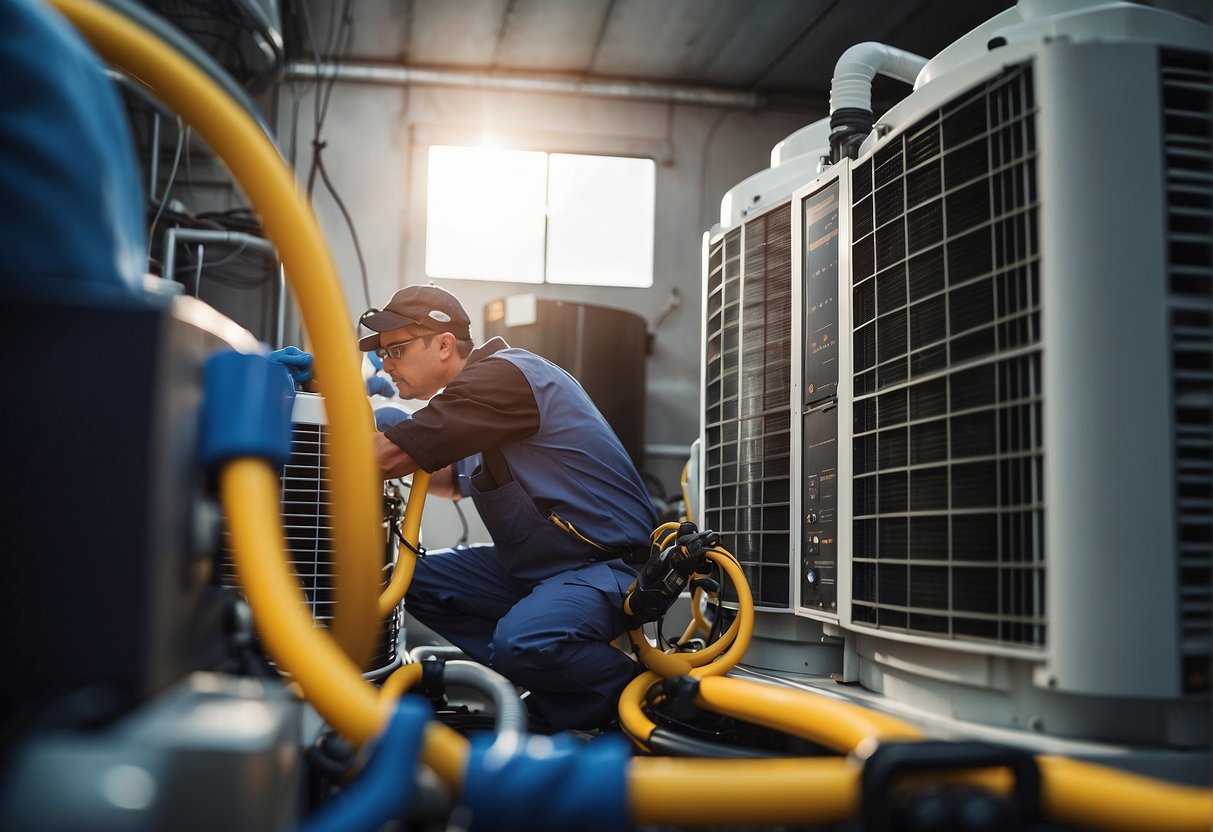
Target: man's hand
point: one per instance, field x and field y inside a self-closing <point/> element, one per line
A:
<point x="392" y="461"/>
<point x="387" y="416"/>
<point x="297" y="362"/>
<point x="378" y="385"/>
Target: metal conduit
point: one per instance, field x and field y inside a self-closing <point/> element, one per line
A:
<point x="199" y="235"/>
<point x="176" y="234"/>
<point x="639" y="91"/>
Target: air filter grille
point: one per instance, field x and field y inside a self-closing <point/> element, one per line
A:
<point x="1187" y="84"/>
<point x="948" y="528"/>
<point x="307" y="523"/>
<point x="748" y="421"/>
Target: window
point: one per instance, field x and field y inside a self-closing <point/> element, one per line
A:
<point x="529" y="217"/>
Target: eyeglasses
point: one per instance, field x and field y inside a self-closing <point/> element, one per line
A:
<point x="394" y="351"/>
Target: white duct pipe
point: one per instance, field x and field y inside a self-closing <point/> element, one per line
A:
<point x="851" y="115"/>
<point x="851" y="87"/>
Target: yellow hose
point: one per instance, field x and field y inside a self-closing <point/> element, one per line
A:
<point x="663" y="529"/>
<point x="406" y="559"/>
<point x="716" y="659"/>
<point x="401" y="681"/>
<point x="826" y="790"/>
<point x="1085" y="794"/>
<point x="1073" y="792"/>
<point x="686" y="495"/>
<point x="328" y="677"/>
<point x="720" y="656"/>
<point x="736" y="640"/>
<point x="838" y="725"/>
<point x="631" y="712"/>
<point x="288" y="221"/>
<point x="748" y="793"/>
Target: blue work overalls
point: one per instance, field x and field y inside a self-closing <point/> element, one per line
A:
<point x="541" y="606"/>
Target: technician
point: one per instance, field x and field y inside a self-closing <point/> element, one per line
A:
<point x="556" y="490"/>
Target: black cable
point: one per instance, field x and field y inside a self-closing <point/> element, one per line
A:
<point x="419" y="551"/>
<point x="366" y="287"/>
<point x="661" y="640"/>
<point x="344" y="40"/>
<point x="667" y="743"/>
<point x="234" y="219"/>
<point x="718" y="617"/>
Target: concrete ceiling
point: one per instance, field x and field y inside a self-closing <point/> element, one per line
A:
<point x="783" y="48"/>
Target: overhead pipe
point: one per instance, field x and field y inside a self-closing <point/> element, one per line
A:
<point x="634" y="90"/>
<point x="176" y="234"/>
<point x="851" y="115"/>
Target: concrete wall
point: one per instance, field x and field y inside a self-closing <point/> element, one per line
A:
<point x="377" y="138"/>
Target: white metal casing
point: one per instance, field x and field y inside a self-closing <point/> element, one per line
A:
<point x="1109" y="466"/>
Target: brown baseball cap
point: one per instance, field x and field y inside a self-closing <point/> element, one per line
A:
<point x="427" y="306"/>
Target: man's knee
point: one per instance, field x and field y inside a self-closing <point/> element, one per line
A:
<point x="523" y="659"/>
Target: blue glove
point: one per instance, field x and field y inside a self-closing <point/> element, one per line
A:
<point x="385" y="417"/>
<point x="375" y="360"/>
<point x="297" y="362"/>
<point x="381" y="386"/>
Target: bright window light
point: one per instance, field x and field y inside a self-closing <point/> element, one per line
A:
<point x="485" y="214"/>
<point x="526" y="217"/>
<point x="600" y="220"/>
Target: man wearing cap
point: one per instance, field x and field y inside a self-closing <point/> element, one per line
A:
<point x="555" y="489"/>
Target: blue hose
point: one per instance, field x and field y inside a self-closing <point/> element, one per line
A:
<point x="382" y="791"/>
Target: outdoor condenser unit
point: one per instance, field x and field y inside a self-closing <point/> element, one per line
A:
<point x="747" y="427"/>
<point x="1001" y="421"/>
<point x="306" y="520"/>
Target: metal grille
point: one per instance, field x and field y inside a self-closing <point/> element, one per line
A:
<point x="748" y="422"/>
<point x="1187" y="95"/>
<point x="948" y="528"/>
<point x="307" y="524"/>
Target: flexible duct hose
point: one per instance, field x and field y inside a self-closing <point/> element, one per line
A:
<point x="511" y="713"/>
<point x="851" y="115"/>
<point x="851" y="87"/>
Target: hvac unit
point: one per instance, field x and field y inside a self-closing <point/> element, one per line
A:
<point x="746" y="447"/>
<point x="997" y="454"/>
<point x="1006" y="323"/>
<point x="307" y="525"/>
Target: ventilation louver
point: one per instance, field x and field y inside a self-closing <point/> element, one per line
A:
<point x="948" y="535"/>
<point x="1187" y="93"/>
<point x="307" y="523"/>
<point x="747" y="447"/>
